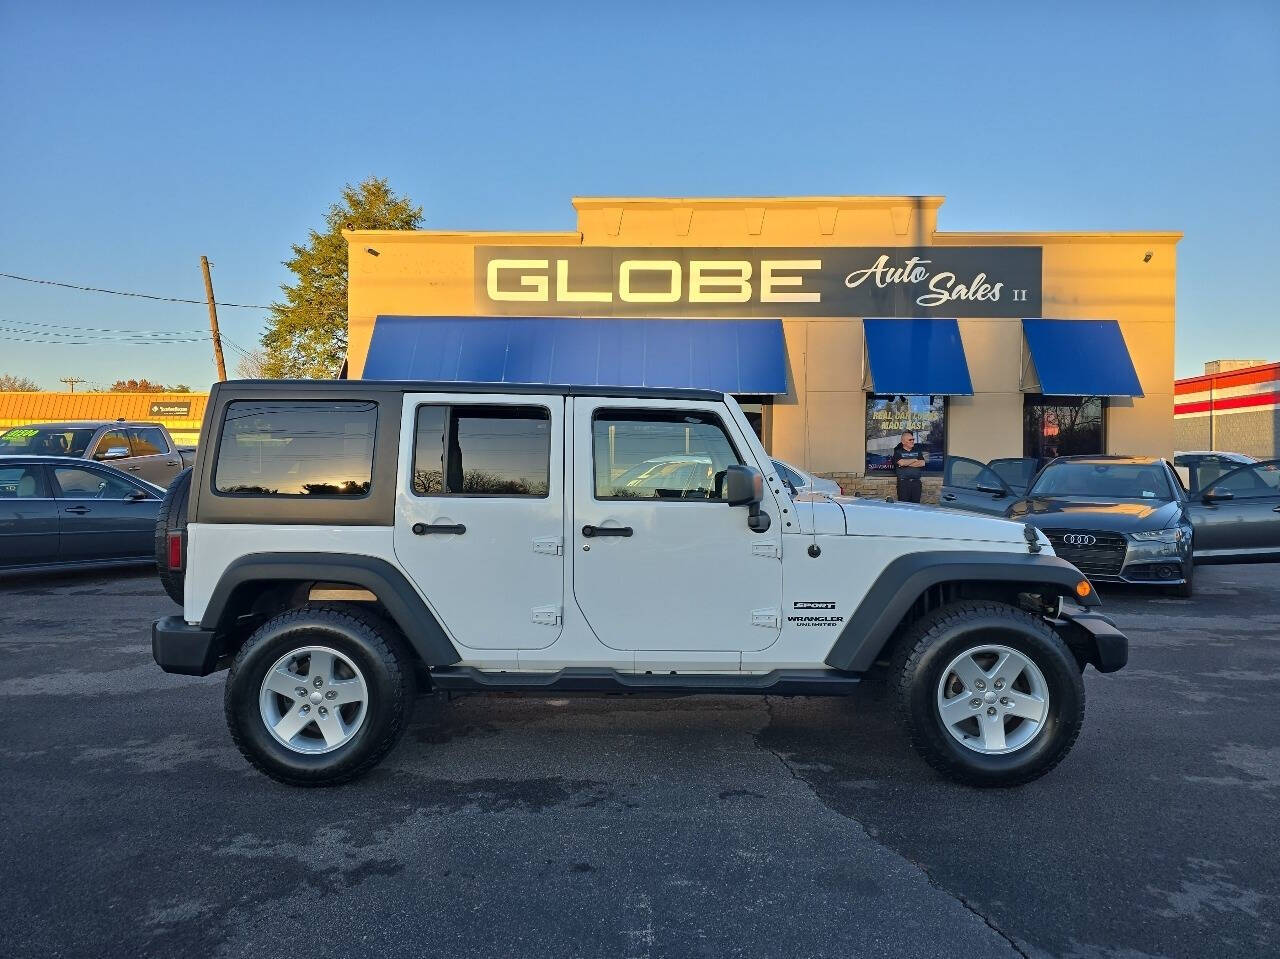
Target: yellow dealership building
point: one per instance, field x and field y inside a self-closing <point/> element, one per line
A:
<point x="836" y="321"/>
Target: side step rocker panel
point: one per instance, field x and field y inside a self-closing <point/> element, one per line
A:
<point x="577" y="679"/>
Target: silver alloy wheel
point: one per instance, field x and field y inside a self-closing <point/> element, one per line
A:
<point x="313" y="700"/>
<point x="993" y="699"/>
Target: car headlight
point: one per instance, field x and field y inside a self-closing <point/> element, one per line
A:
<point x="1176" y="534"/>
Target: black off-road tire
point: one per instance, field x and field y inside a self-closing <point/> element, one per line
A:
<point x="172" y="515"/>
<point x="381" y="653"/>
<point x="927" y="648"/>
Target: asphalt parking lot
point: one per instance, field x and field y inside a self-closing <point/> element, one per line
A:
<point x="624" y="827"/>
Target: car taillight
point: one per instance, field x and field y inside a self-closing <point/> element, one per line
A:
<point x="175" y="550"/>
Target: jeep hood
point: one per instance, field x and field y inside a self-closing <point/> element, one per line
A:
<point x="854" y="516"/>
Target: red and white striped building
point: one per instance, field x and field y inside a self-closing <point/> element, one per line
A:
<point x="1236" y="409"/>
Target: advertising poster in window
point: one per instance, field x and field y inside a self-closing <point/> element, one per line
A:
<point x="888" y="417"/>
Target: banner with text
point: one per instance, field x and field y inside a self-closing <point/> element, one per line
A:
<point x="987" y="281"/>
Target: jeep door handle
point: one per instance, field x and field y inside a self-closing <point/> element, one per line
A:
<point x="422" y="529"/>
<point x="589" y="531"/>
<point x="949" y="497"/>
<point x="79" y="510"/>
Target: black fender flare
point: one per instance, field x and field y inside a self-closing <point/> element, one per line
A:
<point x="401" y="601"/>
<point x="905" y="579"/>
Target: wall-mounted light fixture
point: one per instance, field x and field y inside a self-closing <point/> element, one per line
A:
<point x="372" y="252"/>
<point x="1147" y="258"/>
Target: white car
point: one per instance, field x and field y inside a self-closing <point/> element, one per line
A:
<point x="802" y="482"/>
<point x="1198" y="468"/>
<point x="341" y="545"/>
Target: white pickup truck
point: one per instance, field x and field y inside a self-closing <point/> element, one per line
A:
<point x="340" y="546"/>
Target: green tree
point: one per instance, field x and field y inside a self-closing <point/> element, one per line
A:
<point x="306" y="336"/>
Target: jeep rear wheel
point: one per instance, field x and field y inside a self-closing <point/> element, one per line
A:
<point x="319" y="695"/>
<point x="990" y="694"/>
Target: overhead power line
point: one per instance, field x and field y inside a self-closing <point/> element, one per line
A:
<point x="99" y="329"/>
<point x="144" y="296"/>
<point x="20" y="339"/>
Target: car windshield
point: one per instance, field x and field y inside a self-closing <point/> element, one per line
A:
<point x="1107" y="480"/>
<point x="41" y="441"/>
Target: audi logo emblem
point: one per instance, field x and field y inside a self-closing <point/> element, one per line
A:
<point x="1079" y="539"/>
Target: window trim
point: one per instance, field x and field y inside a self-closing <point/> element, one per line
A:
<point x="625" y="411"/>
<point x="216" y="460"/>
<point x="54" y="485"/>
<point x="870" y="397"/>
<point x="449" y="407"/>
<point x="1042" y="399"/>
<point x="43" y="481"/>
<point x="99" y="448"/>
<point x="166" y="451"/>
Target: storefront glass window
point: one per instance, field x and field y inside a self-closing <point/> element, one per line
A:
<point x="1062" y="426"/>
<point x="889" y="416"/>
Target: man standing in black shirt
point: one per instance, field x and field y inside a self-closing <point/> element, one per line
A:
<point x="909" y="466"/>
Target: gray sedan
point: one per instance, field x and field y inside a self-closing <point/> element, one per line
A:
<point x="59" y="512"/>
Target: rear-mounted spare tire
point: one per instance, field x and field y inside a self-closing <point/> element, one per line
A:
<point x="171" y="535"/>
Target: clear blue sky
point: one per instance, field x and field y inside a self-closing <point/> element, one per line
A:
<point x="134" y="137"/>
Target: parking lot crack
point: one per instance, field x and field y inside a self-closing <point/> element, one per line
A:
<point x="920" y="867"/>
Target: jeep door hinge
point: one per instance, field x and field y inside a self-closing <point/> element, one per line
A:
<point x="547" y="615"/>
<point x="768" y="618"/>
<point x="768" y="550"/>
<point x="551" y="545"/>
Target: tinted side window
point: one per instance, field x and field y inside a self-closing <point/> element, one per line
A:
<point x="21" y="482"/>
<point x="298" y="448"/>
<point x="789" y="475"/>
<point x="1252" y="481"/>
<point x="666" y="454"/>
<point x="112" y="440"/>
<point x="78" y="483"/>
<point x="482" y="451"/>
<point x="148" y="441"/>
<point x="965" y="473"/>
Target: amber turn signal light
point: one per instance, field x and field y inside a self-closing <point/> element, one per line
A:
<point x="1083" y="588"/>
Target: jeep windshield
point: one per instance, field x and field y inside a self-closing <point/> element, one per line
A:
<point x="35" y="441"/>
<point x="1103" y="481"/>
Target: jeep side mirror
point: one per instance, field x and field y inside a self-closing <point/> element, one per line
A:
<point x="1214" y="495"/>
<point x="744" y="486"/>
<point x="116" y="453"/>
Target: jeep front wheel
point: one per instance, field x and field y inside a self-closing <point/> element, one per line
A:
<point x="318" y="695"/>
<point x="990" y="694"/>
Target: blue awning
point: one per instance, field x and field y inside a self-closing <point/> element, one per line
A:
<point x="910" y="357"/>
<point x="1081" y="358"/>
<point x="734" y="356"/>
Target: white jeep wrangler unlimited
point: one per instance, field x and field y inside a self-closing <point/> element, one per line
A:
<point x="341" y="545"/>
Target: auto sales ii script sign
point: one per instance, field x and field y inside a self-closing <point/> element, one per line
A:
<point x="988" y="281"/>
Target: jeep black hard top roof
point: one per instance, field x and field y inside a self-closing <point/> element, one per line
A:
<point x="424" y="386"/>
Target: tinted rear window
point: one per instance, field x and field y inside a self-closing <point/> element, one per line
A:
<point x="300" y="448"/>
<point x="482" y="451"/>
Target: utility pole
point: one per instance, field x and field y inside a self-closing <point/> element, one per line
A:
<point x="213" y="321"/>
<point x="71" y="382"/>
